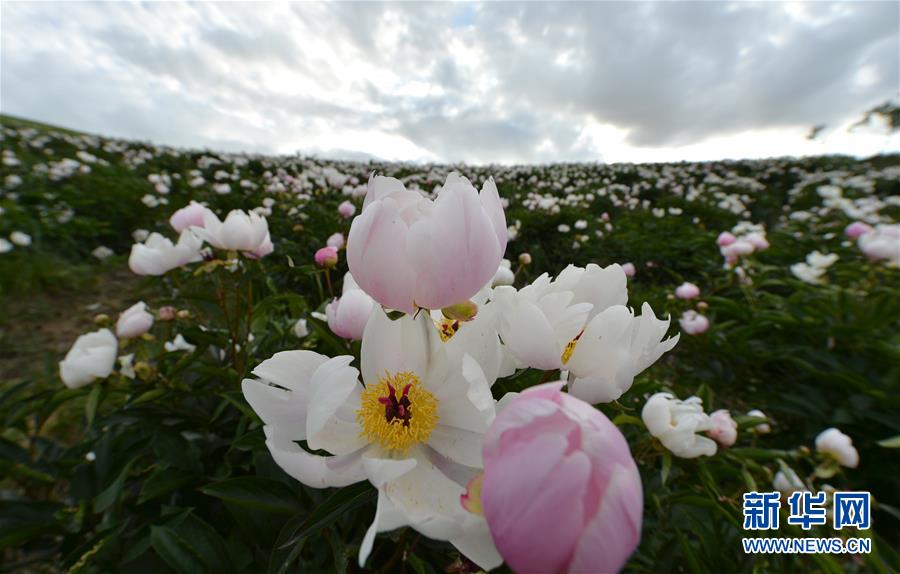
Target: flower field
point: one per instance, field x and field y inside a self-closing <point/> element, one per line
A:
<point x="218" y="362"/>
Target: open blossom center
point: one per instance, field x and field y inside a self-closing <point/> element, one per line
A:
<point x="570" y="348"/>
<point x="397" y="412"/>
<point x="448" y="328"/>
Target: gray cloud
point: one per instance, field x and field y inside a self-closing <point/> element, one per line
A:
<point x="500" y="82"/>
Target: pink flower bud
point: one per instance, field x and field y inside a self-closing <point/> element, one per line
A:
<point x="724" y="429"/>
<point x="856" y="229"/>
<point x="693" y="323"/>
<point x="326" y="257"/>
<point x="336" y="241"/>
<point x="525" y="259"/>
<point x="561" y="491"/>
<point x="167" y="313"/>
<point x="629" y="269"/>
<point x="188" y="216"/>
<point x="687" y="291"/>
<point x="134" y="321"/>
<point x="347" y="210"/>
<point x="725" y="238"/>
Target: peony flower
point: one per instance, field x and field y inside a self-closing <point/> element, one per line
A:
<point x="300" y="329"/>
<point x="91" y="357"/>
<point x="347" y="315"/>
<point x="761" y="428"/>
<point x="157" y="255"/>
<point x="676" y="424"/>
<point x="326" y="257"/>
<point x="883" y="242"/>
<point x="757" y="240"/>
<point x="724" y="428"/>
<point x="407" y="251"/>
<point x="20" y="238"/>
<point x="735" y="250"/>
<point x="347" y="209"/>
<point x="179" y="344"/>
<point x="629" y="269"/>
<point x="602" y="287"/>
<point x="857" y="229"/>
<point x="167" y="313"/>
<point x="126" y="366"/>
<point x="413" y="429"/>
<point x="839" y="446"/>
<point x="188" y="216"/>
<point x="687" y="291"/>
<point x="725" y="239"/>
<point x="5" y="246"/>
<point x="613" y="349"/>
<point x="537" y="323"/>
<point x="561" y="491"/>
<point x="336" y="240"/>
<point x="241" y="231"/>
<point x="504" y="274"/>
<point x="693" y="323"/>
<point x="134" y="321"/>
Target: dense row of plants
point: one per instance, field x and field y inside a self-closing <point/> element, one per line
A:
<point x="780" y="276"/>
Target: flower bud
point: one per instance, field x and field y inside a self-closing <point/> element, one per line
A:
<point x="464" y="311"/>
<point x="326" y="257"/>
<point x="167" y="313"/>
<point x="525" y="259"/>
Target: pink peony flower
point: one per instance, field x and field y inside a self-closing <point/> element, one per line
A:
<point x="336" y="240"/>
<point x="724" y="429"/>
<point x="687" y="291"/>
<point x="188" y="216"/>
<point x="167" y="313"/>
<point x="347" y="315"/>
<point x="856" y="229"/>
<point x="406" y="251"/>
<point x="561" y="491"/>
<point x="347" y="210"/>
<point x="693" y="323"/>
<point x="326" y="257"/>
<point x="134" y="321"/>
<point x="725" y="239"/>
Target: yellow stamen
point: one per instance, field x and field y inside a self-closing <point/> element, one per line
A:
<point x="397" y="412"/>
<point x="570" y="348"/>
<point x="447" y="328"/>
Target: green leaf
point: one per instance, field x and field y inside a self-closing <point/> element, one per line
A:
<point x="893" y="442"/>
<point x="110" y="494"/>
<point x="93" y="401"/>
<point x="338" y="504"/>
<point x="163" y="481"/>
<point x="666" y="467"/>
<point x="175" y="551"/>
<point x="256" y="492"/>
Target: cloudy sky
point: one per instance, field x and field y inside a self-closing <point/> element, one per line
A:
<point x="499" y="82"/>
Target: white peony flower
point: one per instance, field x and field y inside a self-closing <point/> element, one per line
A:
<point x="614" y="348"/>
<point x="157" y="255"/>
<point x="91" y="357"/>
<point x="241" y="231"/>
<point x="413" y="429"/>
<point x="840" y="446"/>
<point x="134" y="321"/>
<point x="179" y="344"/>
<point x="677" y="424"/>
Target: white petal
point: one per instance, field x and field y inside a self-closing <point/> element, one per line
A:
<point x="310" y="469"/>
<point x="406" y="344"/>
